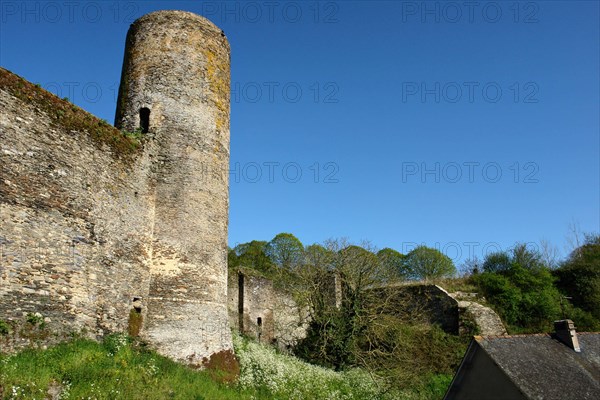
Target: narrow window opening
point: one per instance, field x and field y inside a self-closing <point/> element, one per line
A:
<point x="144" y="119"/>
<point x="241" y="302"/>
<point x="259" y="330"/>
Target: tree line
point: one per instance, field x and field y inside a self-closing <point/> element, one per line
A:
<point x="286" y="252"/>
<point x="521" y="284"/>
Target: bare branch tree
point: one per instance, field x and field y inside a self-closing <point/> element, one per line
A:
<point x="574" y="236"/>
<point x="549" y="253"/>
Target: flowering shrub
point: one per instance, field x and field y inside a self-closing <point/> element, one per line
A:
<point x="283" y="376"/>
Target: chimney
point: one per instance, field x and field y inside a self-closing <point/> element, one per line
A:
<point x="564" y="331"/>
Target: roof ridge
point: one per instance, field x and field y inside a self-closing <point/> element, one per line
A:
<point x="513" y="336"/>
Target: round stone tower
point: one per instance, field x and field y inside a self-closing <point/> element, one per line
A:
<point x="175" y="90"/>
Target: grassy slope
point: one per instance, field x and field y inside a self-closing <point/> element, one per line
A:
<point x="114" y="369"/>
<point x="121" y="369"/>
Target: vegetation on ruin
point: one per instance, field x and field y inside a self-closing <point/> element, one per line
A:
<point x="528" y="288"/>
<point x="525" y="287"/>
<point x="4" y="327"/>
<point x="134" y="324"/>
<point x="400" y="350"/>
<point x="67" y="116"/>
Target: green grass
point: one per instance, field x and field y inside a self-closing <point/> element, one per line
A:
<point x="115" y="369"/>
<point x="123" y="368"/>
<point x="434" y="387"/>
<point x="457" y="285"/>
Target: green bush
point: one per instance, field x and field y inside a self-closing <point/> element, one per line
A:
<point x="521" y="289"/>
<point x="584" y="320"/>
<point x="35" y="319"/>
<point x="579" y="276"/>
<point x="134" y="324"/>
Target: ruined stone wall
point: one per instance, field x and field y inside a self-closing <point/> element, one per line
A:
<point x="258" y="303"/>
<point x="234" y="306"/>
<point x="422" y="302"/>
<point x="282" y="322"/>
<point x="290" y="322"/>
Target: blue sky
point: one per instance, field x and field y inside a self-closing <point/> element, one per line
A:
<point x="466" y="128"/>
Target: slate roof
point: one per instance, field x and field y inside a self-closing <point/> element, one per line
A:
<point x="544" y="368"/>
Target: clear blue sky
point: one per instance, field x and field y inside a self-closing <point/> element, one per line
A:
<point x="497" y="104"/>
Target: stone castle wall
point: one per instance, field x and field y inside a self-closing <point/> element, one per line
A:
<point x="75" y="221"/>
<point x="92" y="230"/>
<point x="97" y="231"/>
<point x="283" y="323"/>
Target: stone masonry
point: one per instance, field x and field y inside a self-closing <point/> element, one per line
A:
<point x="92" y="230"/>
<point x="261" y="311"/>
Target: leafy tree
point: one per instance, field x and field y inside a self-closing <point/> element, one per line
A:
<point x="427" y="263"/>
<point x="285" y="251"/>
<point x="336" y="326"/>
<point x="392" y="263"/>
<point x="232" y="259"/>
<point x="526" y="258"/>
<point x="520" y="288"/>
<point x="358" y="266"/>
<point x="251" y="255"/>
<point x="497" y="262"/>
<point x="579" y="276"/>
<point x="359" y="330"/>
<point x="317" y="255"/>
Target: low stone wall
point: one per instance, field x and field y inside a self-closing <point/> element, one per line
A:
<point x="284" y="323"/>
<point x="482" y="319"/>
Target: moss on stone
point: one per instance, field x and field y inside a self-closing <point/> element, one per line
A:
<point x="68" y="116"/>
<point x="223" y="367"/>
<point x="135" y="323"/>
<point x="218" y="82"/>
<point x="4" y="328"/>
